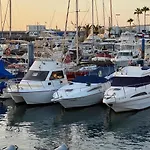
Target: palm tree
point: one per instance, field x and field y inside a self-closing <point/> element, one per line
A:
<point x="97" y="29"/>
<point x="138" y="11"/>
<point x="130" y="21"/>
<point x="145" y="9"/>
<point x="87" y="29"/>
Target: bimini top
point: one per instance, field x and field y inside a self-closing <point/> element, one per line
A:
<point x="96" y="76"/>
<point x="133" y="71"/>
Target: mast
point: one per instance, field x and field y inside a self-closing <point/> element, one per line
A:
<point x="67" y="18"/>
<point x="10" y="15"/>
<point x="1" y="15"/>
<point x="111" y="19"/>
<point x="77" y="35"/>
<point x="104" y="14"/>
<point x="92" y="23"/>
<point x="96" y="12"/>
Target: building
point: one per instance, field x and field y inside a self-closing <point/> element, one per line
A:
<point x="35" y="30"/>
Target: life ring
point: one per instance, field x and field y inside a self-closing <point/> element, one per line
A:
<point x="7" y="51"/>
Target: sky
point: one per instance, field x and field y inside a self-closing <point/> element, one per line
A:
<point x="52" y="13"/>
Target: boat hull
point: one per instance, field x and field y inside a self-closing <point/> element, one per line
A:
<point x="37" y="97"/>
<point x="130" y="104"/>
<point x="82" y="101"/>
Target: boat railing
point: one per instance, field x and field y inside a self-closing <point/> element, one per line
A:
<point x="80" y="89"/>
<point x="15" y="83"/>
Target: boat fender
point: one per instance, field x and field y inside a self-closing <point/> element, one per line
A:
<point x="11" y="147"/>
<point x="62" y="147"/>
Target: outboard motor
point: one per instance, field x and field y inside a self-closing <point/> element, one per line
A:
<point x="62" y="147"/>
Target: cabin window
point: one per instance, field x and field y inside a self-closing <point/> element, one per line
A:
<point x="139" y="94"/>
<point x="130" y="81"/>
<point x="56" y="75"/>
<point x="36" y="75"/>
<point x="124" y="54"/>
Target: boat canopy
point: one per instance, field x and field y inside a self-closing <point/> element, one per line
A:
<point x="102" y="71"/>
<point x="130" y="81"/>
<point x="3" y="72"/>
<point x="90" y="79"/>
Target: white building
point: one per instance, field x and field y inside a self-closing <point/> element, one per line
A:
<point x="34" y="30"/>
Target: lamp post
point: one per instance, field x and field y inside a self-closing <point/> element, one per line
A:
<point x="117" y="16"/>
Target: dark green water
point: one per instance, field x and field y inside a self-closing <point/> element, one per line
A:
<point x="91" y="128"/>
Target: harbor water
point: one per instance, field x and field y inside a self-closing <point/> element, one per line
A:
<point x="90" y="128"/>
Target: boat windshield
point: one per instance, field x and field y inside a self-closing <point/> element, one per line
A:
<point x="125" y="54"/>
<point x="56" y="75"/>
<point x="130" y="81"/>
<point x="36" y="75"/>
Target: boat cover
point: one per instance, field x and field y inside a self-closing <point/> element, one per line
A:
<point x="3" y="72"/>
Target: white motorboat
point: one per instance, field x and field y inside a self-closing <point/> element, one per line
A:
<point x="85" y="90"/>
<point x="38" y="85"/>
<point x="125" y="58"/>
<point x="129" y="89"/>
<point x="128" y="49"/>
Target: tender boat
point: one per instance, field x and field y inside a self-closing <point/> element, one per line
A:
<point x="129" y="89"/>
<point x="85" y="90"/>
<point x="38" y="85"/>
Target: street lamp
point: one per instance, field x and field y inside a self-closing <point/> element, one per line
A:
<point x="117" y="15"/>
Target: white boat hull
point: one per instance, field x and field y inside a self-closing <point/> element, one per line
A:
<point x="131" y="104"/>
<point x="37" y="97"/>
<point x="82" y="101"/>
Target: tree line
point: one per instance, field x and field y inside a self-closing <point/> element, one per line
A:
<point x="138" y="12"/>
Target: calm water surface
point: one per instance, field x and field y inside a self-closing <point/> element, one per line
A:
<point x="91" y="128"/>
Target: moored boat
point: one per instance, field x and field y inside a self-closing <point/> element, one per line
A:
<point x="41" y="81"/>
<point x="129" y="89"/>
<point x="85" y="90"/>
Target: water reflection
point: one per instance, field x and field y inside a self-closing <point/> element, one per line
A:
<point x="3" y="109"/>
<point x="95" y="127"/>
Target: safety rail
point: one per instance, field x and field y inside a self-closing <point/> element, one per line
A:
<point x="81" y="89"/>
<point x="15" y="83"/>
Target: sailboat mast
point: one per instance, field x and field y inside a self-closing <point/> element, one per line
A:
<point x="66" y="23"/>
<point x="104" y="14"/>
<point x="96" y="12"/>
<point x="111" y="20"/>
<point x="92" y="23"/>
<point x="10" y="15"/>
<point x="77" y="34"/>
<point x="1" y="17"/>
